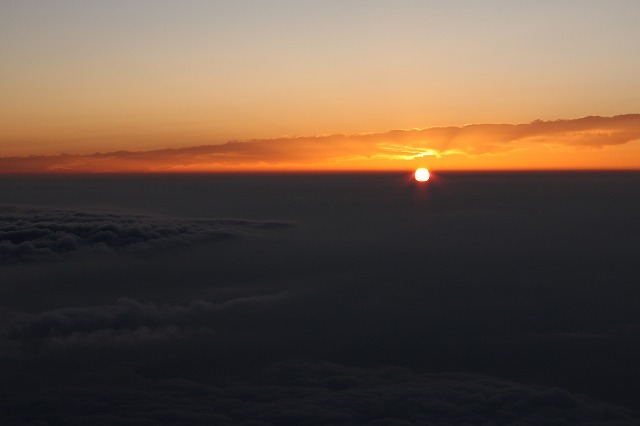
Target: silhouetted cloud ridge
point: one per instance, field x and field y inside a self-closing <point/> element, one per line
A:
<point x="325" y="150"/>
<point x="32" y="234"/>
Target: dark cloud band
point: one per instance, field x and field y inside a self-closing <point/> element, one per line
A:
<point x="315" y="393"/>
<point x="31" y="234"/>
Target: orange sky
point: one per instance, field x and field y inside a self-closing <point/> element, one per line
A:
<point x="157" y="78"/>
<point x="585" y="143"/>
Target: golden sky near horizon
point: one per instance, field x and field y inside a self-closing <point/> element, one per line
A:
<point x="349" y="84"/>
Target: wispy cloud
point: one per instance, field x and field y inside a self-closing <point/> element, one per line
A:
<point x="325" y="151"/>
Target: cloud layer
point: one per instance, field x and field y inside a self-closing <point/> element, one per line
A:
<point x="315" y="393"/>
<point x="31" y="234"/>
<point x="128" y="322"/>
<point x="335" y="150"/>
<point x="293" y="391"/>
<point x="479" y="299"/>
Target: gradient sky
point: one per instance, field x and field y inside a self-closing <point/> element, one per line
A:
<point x="85" y="76"/>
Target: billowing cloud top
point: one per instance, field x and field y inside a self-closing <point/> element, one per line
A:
<point x="294" y="391"/>
<point x="32" y="234"/>
<point x="340" y="150"/>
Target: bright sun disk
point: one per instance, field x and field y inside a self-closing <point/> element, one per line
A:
<point x="422" y="174"/>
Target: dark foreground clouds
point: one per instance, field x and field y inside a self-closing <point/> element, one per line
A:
<point x="309" y="393"/>
<point x="34" y="234"/>
<point x="246" y="361"/>
<point x="497" y="299"/>
<point x="128" y="322"/>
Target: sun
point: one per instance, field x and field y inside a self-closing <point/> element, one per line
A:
<point x="422" y="174"/>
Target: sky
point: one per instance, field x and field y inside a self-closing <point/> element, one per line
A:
<point x="81" y="77"/>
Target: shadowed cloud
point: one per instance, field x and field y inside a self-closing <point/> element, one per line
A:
<point x="128" y="322"/>
<point x="500" y="298"/>
<point x="31" y="234"/>
<point x="328" y="151"/>
<point x="315" y="393"/>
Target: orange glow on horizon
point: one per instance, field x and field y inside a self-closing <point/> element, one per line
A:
<point x="593" y="143"/>
<point x="132" y="89"/>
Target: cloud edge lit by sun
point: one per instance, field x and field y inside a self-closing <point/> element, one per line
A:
<point x="471" y="146"/>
